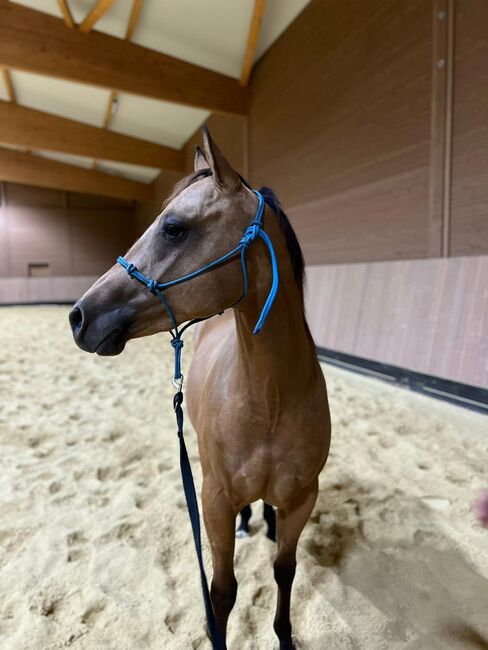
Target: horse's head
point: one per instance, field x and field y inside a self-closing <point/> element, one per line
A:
<point x="203" y="219"/>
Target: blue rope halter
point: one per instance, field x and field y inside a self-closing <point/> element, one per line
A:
<point x="252" y="232"/>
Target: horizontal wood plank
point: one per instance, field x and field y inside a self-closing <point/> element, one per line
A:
<point x="25" y="168"/>
<point x="38" y="130"/>
<point x="34" y="41"/>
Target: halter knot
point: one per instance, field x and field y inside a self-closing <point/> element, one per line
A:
<point x="151" y="285"/>
<point x="131" y="269"/>
<point x="250" y="234"/>
<point x="177" y="343"/>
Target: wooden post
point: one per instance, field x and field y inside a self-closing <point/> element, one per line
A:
<point x="441" y="128"/>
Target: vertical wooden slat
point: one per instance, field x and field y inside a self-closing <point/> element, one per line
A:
<point x="446" y="212"/>
<point x="441" y="128"/>
<point x="133" y="19"/>
<point x="101" y="8"/>
<point x="67" y="17"/>
<point x="7" y="80"/>
<point x="437" y="127"/>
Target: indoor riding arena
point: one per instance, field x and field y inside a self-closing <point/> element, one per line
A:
<point x="308" y="181"/>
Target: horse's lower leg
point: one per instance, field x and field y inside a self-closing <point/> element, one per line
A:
<point x="219" y="518"/>
<point x="243" y="528"/>
<point x="270" y="518"/>
<point x="290" y="523"/>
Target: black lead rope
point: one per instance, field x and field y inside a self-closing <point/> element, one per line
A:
<point x="192" y="506"/>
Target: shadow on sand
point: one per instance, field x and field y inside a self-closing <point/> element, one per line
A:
<point x="389" y="552"/>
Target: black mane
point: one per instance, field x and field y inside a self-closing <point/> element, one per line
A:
<point x="292" y="243"/>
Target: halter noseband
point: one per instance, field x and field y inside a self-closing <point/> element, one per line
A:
<point x="252" y="232"/>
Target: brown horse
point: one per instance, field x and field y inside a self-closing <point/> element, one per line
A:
<point x="257" y="402"/>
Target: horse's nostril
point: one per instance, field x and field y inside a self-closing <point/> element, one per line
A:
<point x="76" y="320"/>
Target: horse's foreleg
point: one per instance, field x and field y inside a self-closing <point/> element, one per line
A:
<point x="219" y="518"/>
<point x="290" y="523"/>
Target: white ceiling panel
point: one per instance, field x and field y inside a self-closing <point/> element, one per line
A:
<point x="68" y="158"/>
<point x="208" y="33"/>
<point x="159" y="122"/>
<point x="277" y="16"/>
<point x="113" y="22"/>
<point x="3" y="90"/>
<point x="15" y="147"/>
<point x="133" y="172"/>
<point x="65" y="98"/>
<point x="46" y="6"/>
<point x="211" y="34"/>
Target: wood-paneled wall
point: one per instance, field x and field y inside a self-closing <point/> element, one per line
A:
<point x="341" y="131"/>
<point x="426" y="315"/>
<point x="469" y="191"/>
<point x="33" y="290"/>
<point x="75" y="234"/>
<point x="352" y="116"/>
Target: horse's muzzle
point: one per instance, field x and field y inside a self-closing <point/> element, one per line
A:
<point x="102" y="332"/>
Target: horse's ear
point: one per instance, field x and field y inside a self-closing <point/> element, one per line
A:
<point x="200" y="161"/>
<point x="225" y="178"/>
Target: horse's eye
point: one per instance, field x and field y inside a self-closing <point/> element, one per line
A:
<point x="173" y="230"/>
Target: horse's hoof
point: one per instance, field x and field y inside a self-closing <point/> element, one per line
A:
<point x="241" y="533"/>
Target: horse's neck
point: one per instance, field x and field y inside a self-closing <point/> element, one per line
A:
<point x="283" y="351"/>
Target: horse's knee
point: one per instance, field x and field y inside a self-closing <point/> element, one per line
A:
<point x="224" y="594"/>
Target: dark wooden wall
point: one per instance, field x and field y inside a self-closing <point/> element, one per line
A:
<point x="469" y="200"/>
<point x="370" y="120"/>
<point x="76" y="234"/>
<point x="350" y="120"/>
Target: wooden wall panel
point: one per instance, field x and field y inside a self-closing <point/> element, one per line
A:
<point x="98" y="237"/>
<point x="38" y="236"/>
<point x="426" y="315"/>
<point x="58" y="289"/>
<point x="39" y="226"/>
<point x="469" y="193"/>
<point x="29" y="196"/>
<point x="339" y="126"/>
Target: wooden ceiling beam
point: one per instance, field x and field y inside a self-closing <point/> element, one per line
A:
<point x="26" y="127"/>
<point x="27" y="169"/>
<point x="100" y="8"/>
<point x="40" y="43"/>
<point x="252" y="41"/>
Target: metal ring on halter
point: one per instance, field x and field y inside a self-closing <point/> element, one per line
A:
<point x="177" y="383"/>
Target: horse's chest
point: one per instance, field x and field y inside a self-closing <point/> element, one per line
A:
<point x="250" y="444"/>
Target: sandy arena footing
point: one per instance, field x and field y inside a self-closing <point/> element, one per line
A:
<point x="95" y="546"/>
